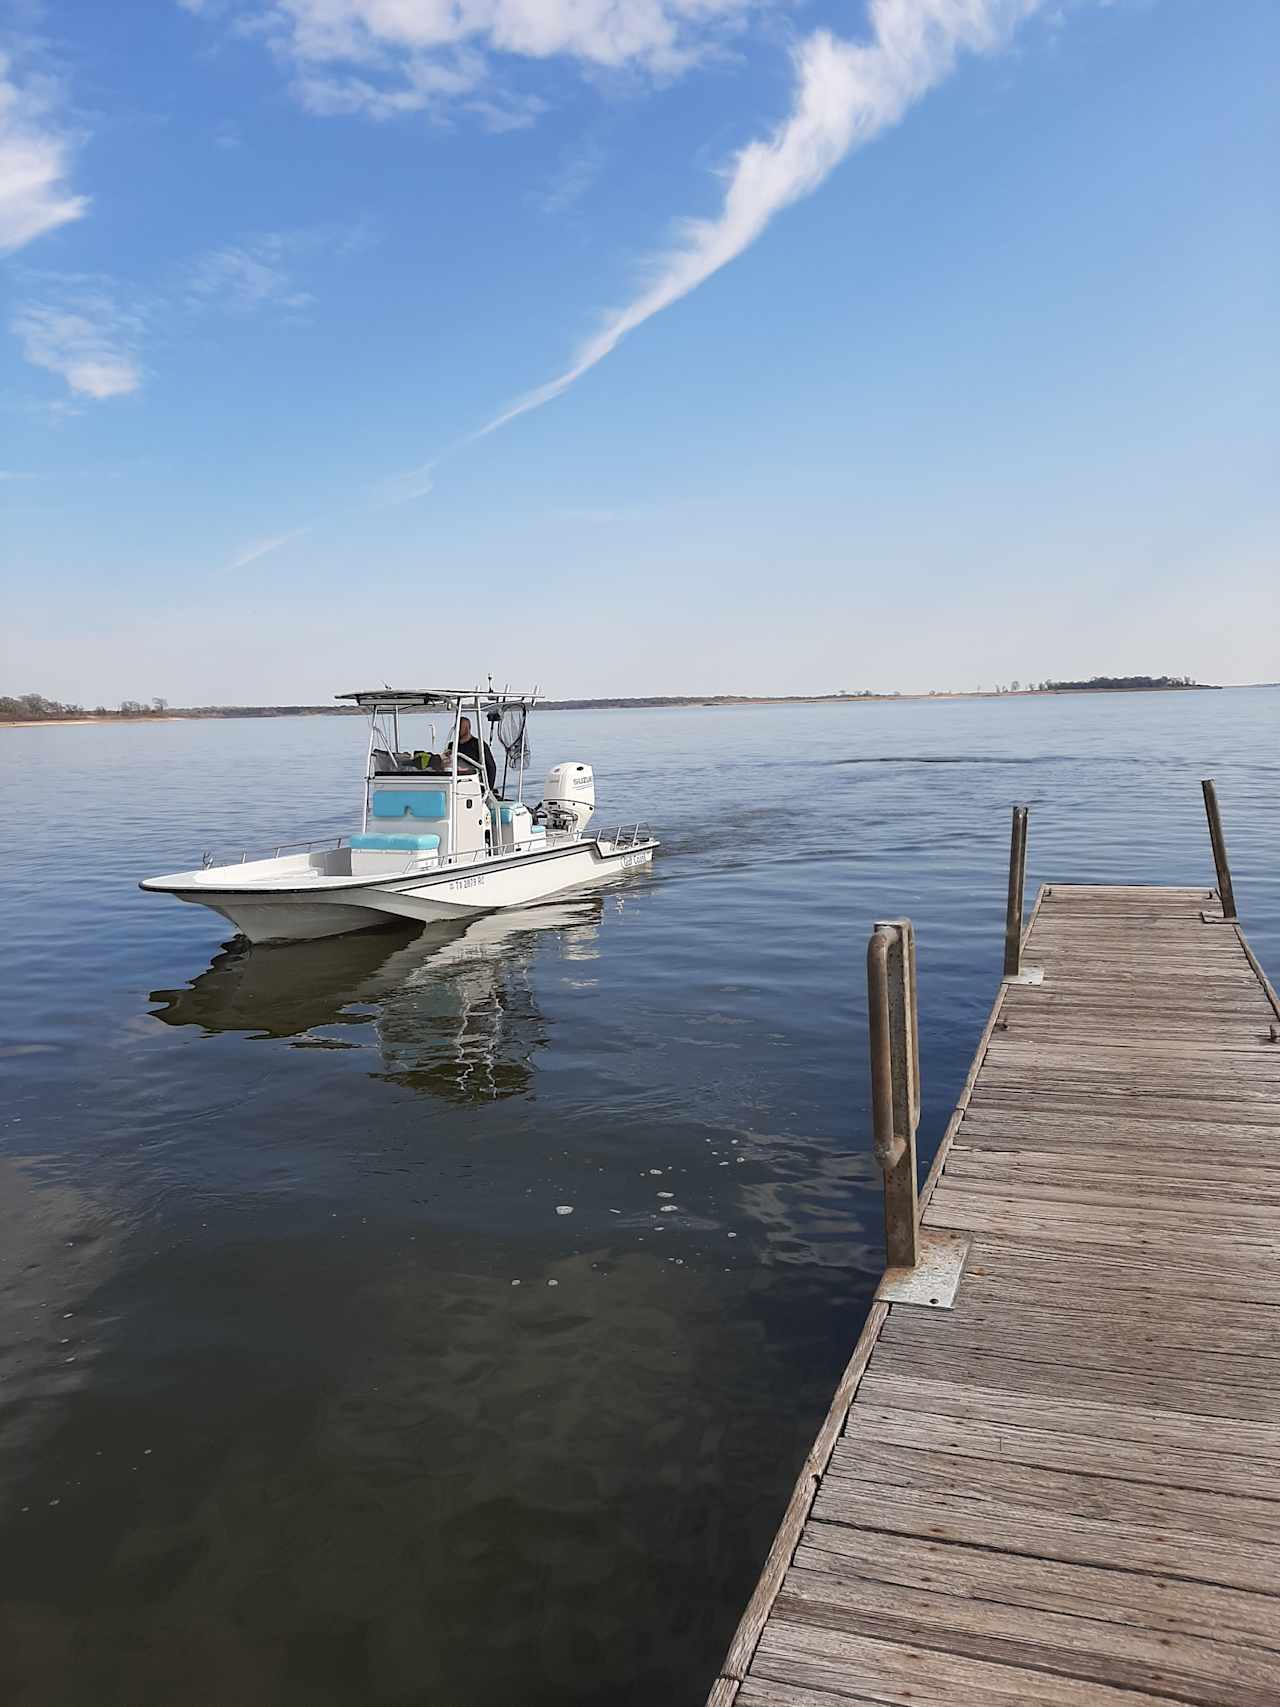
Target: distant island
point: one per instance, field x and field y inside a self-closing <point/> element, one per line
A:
<point x="1124" y="684"/>
<point x="29" y="708"/>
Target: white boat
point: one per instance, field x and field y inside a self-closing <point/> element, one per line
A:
<point x="441" y="836"/>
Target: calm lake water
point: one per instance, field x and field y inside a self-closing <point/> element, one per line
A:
<point x="310" y="1392"/>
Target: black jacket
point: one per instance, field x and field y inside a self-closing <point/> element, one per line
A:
<point x="470" y="749"/>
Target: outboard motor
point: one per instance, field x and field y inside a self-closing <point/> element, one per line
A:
<point x="569" y="798"/>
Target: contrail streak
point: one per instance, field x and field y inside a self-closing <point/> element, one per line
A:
<point x="846" y="94"/>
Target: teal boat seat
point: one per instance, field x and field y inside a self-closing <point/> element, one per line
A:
<point x="408" y="803"/>
<point x="396" y="844"/>
<point x="504" y="812"/>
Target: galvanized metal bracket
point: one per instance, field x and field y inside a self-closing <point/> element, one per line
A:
<point x="1028" y="975"/>
<point x="1217" y="919"/>
<point x="935" y="1279"/>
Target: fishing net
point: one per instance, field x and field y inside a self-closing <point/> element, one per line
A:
<point x="514" y="734"/>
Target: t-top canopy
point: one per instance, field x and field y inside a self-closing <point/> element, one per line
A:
<point x="424" y="699"/>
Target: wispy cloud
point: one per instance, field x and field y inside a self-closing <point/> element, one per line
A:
<point x="325" y="89"/>
<point x="389" y="35"/>
<point x="381" y="58"/>
<point x="35" y="158"/>
<point x="244" y="277"/>
<point x="846" y="94"/>
<point x="76" y="331"/>
<point x="260" y="548"/>
<point x="261" y="271"/>
<point x="90" y="328"/>
<point x="578" y="170"/>
<point x="403" y="488"/>
<point x="460" y="82"/>
<point x="503" y="110"/>
<point x="86" y="339"/>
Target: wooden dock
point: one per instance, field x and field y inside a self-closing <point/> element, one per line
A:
<point x="1065" y="1489"/>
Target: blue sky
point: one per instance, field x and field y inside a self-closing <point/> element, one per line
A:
<point x="926" y="343"/>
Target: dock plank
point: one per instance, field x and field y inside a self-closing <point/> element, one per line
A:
<point x="1075" y="1223"/>
<point x="984" y="1521"/>
<point x="1064" y="1271"/>
<point x="1078" y="1133"/>
<point x="1242" y="1617"/>
<point x="1066" y="1489"/>
<point x="1087" y="1343"/>
<point x="912" y="1675"/>
<point x="1117" y="1170"/>
<point x="1071" y="1492"/>
<point x="1198" y="1669"/>
<point x="1166" y="1466"/>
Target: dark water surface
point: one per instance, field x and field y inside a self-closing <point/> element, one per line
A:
<point x="309" y="1394"/>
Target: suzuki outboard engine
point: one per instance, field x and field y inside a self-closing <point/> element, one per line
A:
<point x="569" y="798"/>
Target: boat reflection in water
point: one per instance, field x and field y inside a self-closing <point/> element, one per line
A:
<point x="453" y="1005"/>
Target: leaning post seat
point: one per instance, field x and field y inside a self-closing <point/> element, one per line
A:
<point x="514" y="826"/>
<point x="420" y="803"/>
<point x="404" y="804"/>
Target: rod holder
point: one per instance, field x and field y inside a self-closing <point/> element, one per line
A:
<point x="895" y="1082"/>
<point x="1017" y="887"/>
<point x="1225" y="892"/>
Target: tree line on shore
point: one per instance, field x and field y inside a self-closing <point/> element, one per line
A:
<point x="1121" y="684"/>
<point x="36" y="708"/>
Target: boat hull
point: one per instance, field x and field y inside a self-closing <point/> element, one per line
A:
<point x="271" y="913"/>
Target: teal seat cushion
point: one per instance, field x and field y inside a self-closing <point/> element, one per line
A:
<point x="504" y="814"/>
<point x="396" y="844"/>
<point x="408" y="803"/>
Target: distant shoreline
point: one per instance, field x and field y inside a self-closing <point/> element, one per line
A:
<point x="708" y="702"/>
<point x="108" y="717"/>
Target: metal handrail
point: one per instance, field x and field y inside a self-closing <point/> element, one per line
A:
<point x="209" y="857"/>
<point x="1017" y="884"/>
<point x="895" y="1082"/>
<point x="477" y="856"/>
<point x="626" y="835"/>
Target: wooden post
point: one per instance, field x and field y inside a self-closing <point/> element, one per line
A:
<point x="895" y="1082"/>
<point x="1225" y="891"/>
<point x="1017" y="883"/>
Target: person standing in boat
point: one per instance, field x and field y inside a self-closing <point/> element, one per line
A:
<point x="469" y="748"/>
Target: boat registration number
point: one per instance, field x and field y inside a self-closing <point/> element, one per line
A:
<point x="634" y="859"/>
<point x="466" y="882"/>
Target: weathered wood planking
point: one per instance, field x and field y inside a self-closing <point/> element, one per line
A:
<point x="1067" y="1489"/>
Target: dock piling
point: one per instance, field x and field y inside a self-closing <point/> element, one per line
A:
<point x="1211" y="812"/>
<point x="895" y="1081"/>
<point x="1017" y="883"/>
